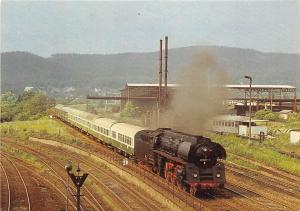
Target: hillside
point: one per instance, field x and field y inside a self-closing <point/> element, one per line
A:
<point x="84" y="72"/>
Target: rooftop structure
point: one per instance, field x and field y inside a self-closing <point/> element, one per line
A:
<point x="273" y="97"/>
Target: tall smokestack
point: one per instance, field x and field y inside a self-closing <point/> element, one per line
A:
<point x="160" y="73"/>
<point x="166" y="69"/>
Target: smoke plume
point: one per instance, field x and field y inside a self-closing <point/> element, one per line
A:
<point x="199" y="97"/>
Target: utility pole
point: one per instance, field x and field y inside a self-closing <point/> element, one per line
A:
<point x="250" y="105"/>
<point x="77" y="180"/>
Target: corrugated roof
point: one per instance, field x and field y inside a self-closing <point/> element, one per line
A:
<point x="261" y="86"/>
<point x="227" y="86"/>
<point x="153" y="85"/>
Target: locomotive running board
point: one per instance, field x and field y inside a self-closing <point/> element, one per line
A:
<point x="166" y="155"/>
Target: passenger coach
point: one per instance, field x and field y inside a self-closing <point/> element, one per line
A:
<point x="114" y="133"/>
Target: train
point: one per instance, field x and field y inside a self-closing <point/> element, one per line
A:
<point x="193" y="163"/>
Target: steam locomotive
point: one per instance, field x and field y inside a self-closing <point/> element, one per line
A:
<point x="188" y="161"/>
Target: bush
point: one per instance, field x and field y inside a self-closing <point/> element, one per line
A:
<point x="267" y="115"/>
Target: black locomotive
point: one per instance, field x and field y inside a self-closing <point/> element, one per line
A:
<point x="190" y="162"/>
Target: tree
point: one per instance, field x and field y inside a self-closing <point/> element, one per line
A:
<point x="8" y="104"/>
<point x="28" y="106"/>
<point x="129" y="110"/>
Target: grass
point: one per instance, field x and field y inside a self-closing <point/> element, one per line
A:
<point x="256" y="151"/>
<point x="29" y="158"/>
<point x="44" y="128"/>
<point x="240" y="162"/>
<point x="281" y="133"/>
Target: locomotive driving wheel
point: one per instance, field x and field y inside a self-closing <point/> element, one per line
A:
<point x="193" y="190"/>
<point x="168" y="177"/>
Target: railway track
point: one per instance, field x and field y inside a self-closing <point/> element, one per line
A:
<point x="48" y="161"/>
<point x="270" y="191"/>
<point x="259" y="199"/>
<point x="129" y="196"/>
<point x="52" y="184"/>
<point x="16" y="202"/>
<point x="278" y="185"/>
<point x="126" y="195"/>
<point x="8" y="188"/>
<point x="270" y="171"/>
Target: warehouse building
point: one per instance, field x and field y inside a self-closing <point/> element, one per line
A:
<point x="273" y="97"/>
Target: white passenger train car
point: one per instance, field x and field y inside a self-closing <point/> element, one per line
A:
<point x="238" y="125"/>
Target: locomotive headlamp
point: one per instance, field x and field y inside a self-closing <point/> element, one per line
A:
<point x="204" y="149"/>
<point x="218" y="175"/>
<point x="195" y="175"/>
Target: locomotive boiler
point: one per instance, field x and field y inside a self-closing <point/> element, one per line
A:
<point x="190" y="162"/>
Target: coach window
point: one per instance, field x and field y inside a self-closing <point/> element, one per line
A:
<point x="113" y="133"/>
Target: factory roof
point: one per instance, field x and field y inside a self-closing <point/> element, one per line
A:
<point x="233" y="86"/>
<point x="152" y="85"/>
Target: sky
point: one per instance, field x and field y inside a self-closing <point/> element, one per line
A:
<point x="49" y="27"/>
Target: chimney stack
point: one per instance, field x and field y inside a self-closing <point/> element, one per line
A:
<point x="160" y="74"/>
<point x="166" y="70"/>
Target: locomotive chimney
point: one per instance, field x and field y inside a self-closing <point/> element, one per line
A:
<point x="166" y="69"/>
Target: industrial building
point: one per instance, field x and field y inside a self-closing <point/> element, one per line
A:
<point x="148" y="94"/>
<point x="273" y="97"/>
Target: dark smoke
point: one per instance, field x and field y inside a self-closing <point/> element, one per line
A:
<point x="199" y="97"/>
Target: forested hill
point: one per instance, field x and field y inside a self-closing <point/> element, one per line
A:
<point x="82" y="71"/>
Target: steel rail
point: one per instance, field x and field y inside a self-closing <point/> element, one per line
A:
<point x="120" y="199"/>
<point x="8" y="188"/>
<point x="43" y="178"/>
<point x="58" y="176"/>
<point x="268" y="182"/>
<point x="264" y="201"/>
<point x="123" y="186"/>
<point x="24" y="184"/>
<point x="293" y="179"/>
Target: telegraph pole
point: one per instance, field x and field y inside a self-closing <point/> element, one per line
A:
<point x="250" y="105"/>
